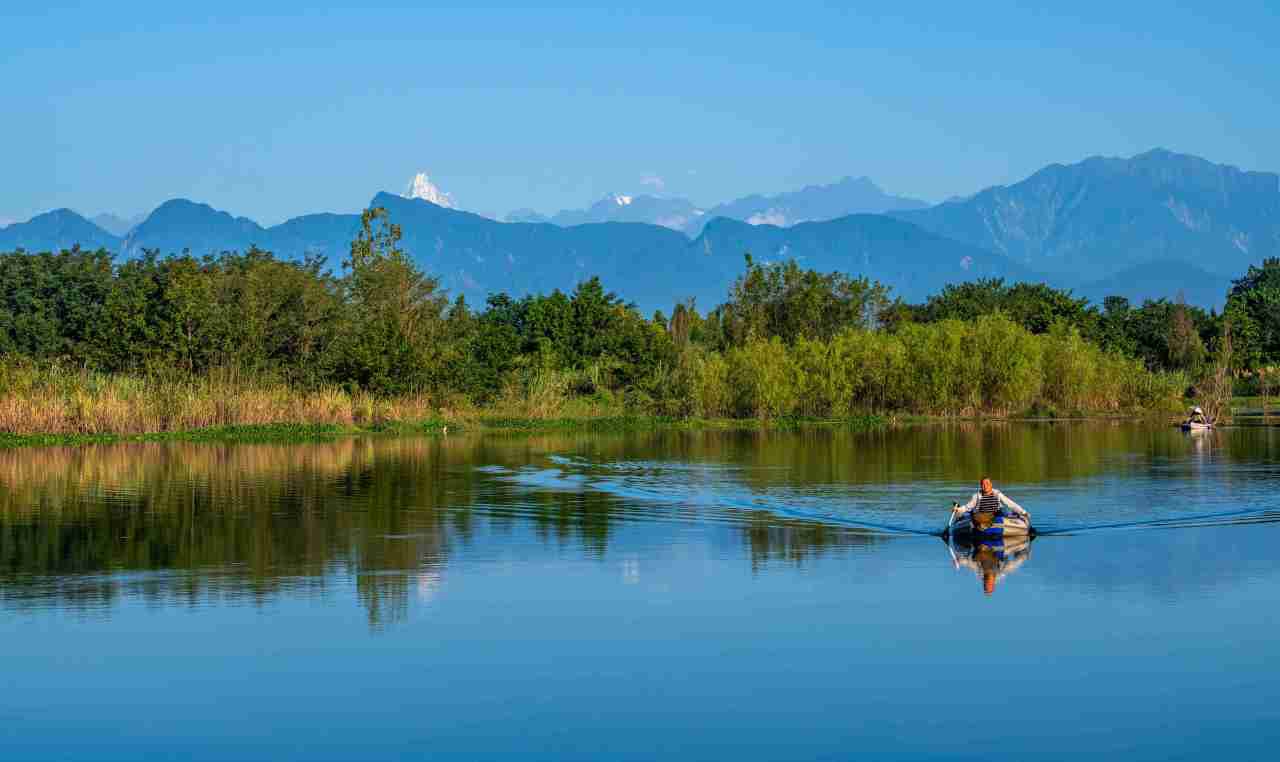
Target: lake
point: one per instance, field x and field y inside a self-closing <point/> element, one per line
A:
<point x="669" y="594"/>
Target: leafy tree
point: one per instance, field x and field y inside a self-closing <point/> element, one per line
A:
<point x="495" y="346"/>
<point x="900" y="313"/>
<point x="684" y="324"/>
<point x="1150" y="329"/>
<point x="1034" y="306"/>
<point x="1114" y="332"/>
<point x="1253" y="309"/>
<point x="51" y="304"/>
<point x="1186" y="349"/>
<point x="790" y="303"/>
<point x="394" y="314"/>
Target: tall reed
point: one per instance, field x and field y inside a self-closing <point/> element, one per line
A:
<point x="57" y="399"/>
<point x="990" y="366"/>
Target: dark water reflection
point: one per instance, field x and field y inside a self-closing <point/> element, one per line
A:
<point x="698" y="594"/>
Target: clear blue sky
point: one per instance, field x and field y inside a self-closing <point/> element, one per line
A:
<point x="275" y="109"/>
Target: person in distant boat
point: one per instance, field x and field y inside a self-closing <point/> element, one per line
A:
<point x="1197" y="416"/>
<point x="992" y="502"/>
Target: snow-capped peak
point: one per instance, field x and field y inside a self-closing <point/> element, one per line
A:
<point x="422" y="187"/>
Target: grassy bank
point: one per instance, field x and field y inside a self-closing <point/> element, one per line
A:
<point x="57" y="404"/>
<point x="273" y="432"/>
<point x="304" y="432"/>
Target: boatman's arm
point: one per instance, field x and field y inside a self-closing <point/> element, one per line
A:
<point x="1007" y="503"/>
<point x="973" y="503"/>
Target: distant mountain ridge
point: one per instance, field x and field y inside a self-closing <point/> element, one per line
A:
<point x="1101" y="216"/>
<point x="674" y="213"/>
<point x="915" y="262"/>
<point x="649" y="264"/>
<point x="813" y="203"/>
<point x="55" y="230"/>
<point x="181" y="225"/>
<point x="1149" y="226"/>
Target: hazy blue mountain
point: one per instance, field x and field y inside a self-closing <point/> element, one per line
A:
<point x="526" y="215"/>
<point x="813" y="203"/>
<point x="52" y="231"/>
<point x="913" y="261"/>
<point x="181" y="225"/>
<point x="325" y="235"/>
<point x="648" y="264"/>
<point x="115" y="224"/>
<point x="1144" y="227"/>
<point x="1099" y="217"/>
<point x="1162" y="279"/>
<point x="674" y="213"/>
<point x="655" y="267"/>
<point x="475" y="255"/>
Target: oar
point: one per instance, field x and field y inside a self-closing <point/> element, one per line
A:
<point x="955" y="507"/>
<point x="955" y="561"/>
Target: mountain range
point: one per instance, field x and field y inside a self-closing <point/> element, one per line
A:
<point x="813" y="203"/>
<point x="674" y="213"/>
<point x="1104" y="215"/>
<point x="1152" y="225"/>
<point x="58" y="229"/>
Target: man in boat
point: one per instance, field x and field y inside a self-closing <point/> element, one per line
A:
<point x="989" y="502"/>
<point x="1197" y="416"/>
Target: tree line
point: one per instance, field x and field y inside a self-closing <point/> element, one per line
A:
<point x="786" y="341"/>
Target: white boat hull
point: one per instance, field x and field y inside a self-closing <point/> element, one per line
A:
<point x="1005" y="525"/>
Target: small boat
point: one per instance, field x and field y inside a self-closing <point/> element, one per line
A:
<point x="1193" y="426"/>
<point x="1002" y="525"/>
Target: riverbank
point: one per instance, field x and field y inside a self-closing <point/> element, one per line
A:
<point x="300" y="432"/>
<point x="54" y="405"/>
<point x="285" y="432"/>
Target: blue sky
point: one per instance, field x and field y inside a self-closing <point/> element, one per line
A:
<point x="270" y="110"/>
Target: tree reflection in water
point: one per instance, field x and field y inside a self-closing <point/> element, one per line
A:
<point x="180" y="523"/>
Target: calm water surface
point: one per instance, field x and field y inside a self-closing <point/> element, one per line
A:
<point x="699" y="595"/>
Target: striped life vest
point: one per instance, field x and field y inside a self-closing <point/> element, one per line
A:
<point x="988" y="503"/>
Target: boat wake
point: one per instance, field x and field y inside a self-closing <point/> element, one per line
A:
<point x="716" y="492"/>
<point x="1217" y="519"/>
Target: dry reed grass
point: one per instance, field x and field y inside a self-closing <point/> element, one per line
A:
<point x="58" y="400"/>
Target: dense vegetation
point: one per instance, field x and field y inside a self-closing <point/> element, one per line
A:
<point x="77" y="327"/>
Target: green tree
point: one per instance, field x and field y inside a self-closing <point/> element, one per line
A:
<point x="1034" y="306"/>
<point x="394" y="314"/>
<point x="1253" y="309"/>
<point x="791" y="303"/>
<point x="1114" y="333"/>
<point x="1186" y="349"/>
<point x="51" y="304"/>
